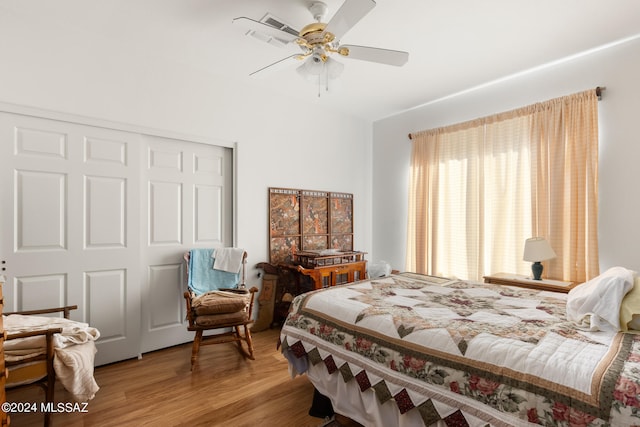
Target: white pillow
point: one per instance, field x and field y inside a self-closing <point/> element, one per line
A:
<point x="630" y="308"/>
<point x="595" y="305"/>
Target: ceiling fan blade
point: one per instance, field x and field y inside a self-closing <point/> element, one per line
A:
<point x="374" y="54"/>
<point x="263" y="28"/>
<point x="348" y="15"/>
<point x="278" y="65"/>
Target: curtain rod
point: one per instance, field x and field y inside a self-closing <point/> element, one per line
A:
<point x="599" y="90"/>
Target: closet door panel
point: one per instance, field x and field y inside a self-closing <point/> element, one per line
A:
<point x="70" y="231"/>
<point x="188" y="206"/>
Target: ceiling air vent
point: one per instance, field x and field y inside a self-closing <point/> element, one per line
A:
<point x="273" y="21"/>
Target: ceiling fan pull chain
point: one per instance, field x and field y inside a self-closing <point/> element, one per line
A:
<point x="326" y="78"/>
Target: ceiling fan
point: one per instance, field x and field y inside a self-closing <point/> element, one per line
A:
<point x="318" y="41"/>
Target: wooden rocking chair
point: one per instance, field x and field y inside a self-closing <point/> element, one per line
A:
<point x="228" y="309"/>
<point x="38" y="369"/>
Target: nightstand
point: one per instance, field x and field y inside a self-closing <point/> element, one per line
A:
<point x="527" y="282"/>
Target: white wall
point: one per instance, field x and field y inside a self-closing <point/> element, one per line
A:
<point x="616" y="67"/>
<point x="278" y="141"/>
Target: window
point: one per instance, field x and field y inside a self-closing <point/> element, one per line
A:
<point x="479" y="189"/>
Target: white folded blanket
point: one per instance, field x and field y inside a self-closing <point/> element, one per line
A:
<point x="74" y="368"/>
<point x="75" y="350"/>
<point x="595" y="305"/>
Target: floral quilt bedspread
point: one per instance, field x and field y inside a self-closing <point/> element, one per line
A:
<point x="507" y="354"/>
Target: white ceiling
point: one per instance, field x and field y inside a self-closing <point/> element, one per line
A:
<point x="453" y="45"/>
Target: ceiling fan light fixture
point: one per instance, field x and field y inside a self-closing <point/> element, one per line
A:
<point x="303" y="72"/>
<point x="333" y="68"/>
<point x="320" y="72"/>
<point x="311" y="67"/>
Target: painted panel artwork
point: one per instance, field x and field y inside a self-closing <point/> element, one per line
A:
<point x="308" y="220"/>
<point x="315" y="214"/>
<point x="282" y="248"/>
<point x="342" y="242"/>
<point x="284" y="214"/>
<point x="341" y="214"/>
<point x="314" y="243"/>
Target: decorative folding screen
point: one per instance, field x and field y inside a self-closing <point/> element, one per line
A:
<point x="307" y="220"/>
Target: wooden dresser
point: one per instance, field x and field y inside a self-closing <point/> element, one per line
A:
<point x="331" y="270"/>
<point x="324" y="277"/>
<point x="284" y="281"/>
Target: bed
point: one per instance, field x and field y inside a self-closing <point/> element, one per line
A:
<point x="411" y="350"/>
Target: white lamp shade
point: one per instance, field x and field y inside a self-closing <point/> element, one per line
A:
<point x="537" y="249"/>
<point x="311" y="69"/>
<point x="334" y="68"/>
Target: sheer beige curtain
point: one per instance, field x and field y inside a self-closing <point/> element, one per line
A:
<point x="565" y="175"/>
<point x="480" y="188"/>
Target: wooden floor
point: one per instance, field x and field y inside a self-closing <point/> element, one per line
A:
<point x="159" y="390"/>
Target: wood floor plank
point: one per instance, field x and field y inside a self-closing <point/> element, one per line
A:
<point x="160" y="390"/>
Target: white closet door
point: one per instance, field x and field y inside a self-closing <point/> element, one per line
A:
<point x="188" y="204"/>
<point x="69" y="231"/>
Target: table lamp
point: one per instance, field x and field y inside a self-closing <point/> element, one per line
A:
<point x="537" y="249"/>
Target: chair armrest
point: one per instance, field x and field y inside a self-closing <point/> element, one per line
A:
<point x="66" y="309"/>
<point x="188" y="296"/>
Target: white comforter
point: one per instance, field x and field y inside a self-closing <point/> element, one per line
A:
<point x="74" y="350"/>
<point x="501" y="354"/>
